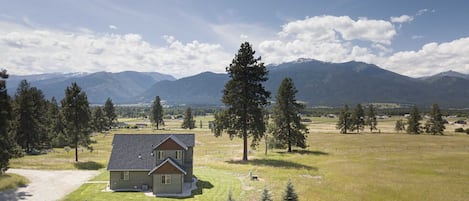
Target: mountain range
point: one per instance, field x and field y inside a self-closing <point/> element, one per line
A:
<point x="318" y="84"/>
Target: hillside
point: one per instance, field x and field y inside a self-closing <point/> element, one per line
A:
<point x="318" y="83"/>
<point x="122" y="87"/>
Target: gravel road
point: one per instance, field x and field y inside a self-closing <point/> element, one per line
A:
<point x="47" y="185"/>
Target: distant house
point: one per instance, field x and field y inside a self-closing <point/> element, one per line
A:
<point x="162" y="163"/>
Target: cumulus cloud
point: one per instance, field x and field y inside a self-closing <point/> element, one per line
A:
<point x="334" y="39"/>
<point x="26" y="50"/>
<point x="431" y="58"/>
<point x="402" y="19"/>
<point x="113" y="27"/>
<point x="328" y="38"/>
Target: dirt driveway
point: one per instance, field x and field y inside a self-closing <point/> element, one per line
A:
<point x="47" y="185"/>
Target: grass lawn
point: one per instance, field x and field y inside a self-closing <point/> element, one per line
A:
<point x="12" y="181"/>
<point x="385" y="166"/>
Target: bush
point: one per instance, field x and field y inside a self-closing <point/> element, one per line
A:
<point x="459" y="130"/>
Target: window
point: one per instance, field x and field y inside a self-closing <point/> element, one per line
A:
<point x="160" y="155"/>
<point x="166" y="179"/>
<point x="125" y="175"/>
<point x="178" y="154"/>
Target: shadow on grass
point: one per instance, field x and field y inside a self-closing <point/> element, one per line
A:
<point x="201" y="185"/>
<point x="307" y="152"/>
<point x="89" y="165"/>
<point x="273" y="163"/>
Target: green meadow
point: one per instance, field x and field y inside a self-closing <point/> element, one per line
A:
<point x="379" y="166"/>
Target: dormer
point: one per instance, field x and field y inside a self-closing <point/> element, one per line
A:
<point x="170" y="147"/>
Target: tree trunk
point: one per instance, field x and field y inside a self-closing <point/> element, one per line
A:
<point x="245" y="149"/>
<point x="289" y="138"/>
<point x="76" y="147"/>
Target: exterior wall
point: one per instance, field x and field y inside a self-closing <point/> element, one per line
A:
<point x="174" y="187"/>
<point x="136" y="178"/>
<point x="171" y="154"/>
<point x="188" y="164"/>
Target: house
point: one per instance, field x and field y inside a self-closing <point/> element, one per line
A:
<point x="162" y="163"/>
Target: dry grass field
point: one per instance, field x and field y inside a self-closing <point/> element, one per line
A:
<point x="378" y="166"/>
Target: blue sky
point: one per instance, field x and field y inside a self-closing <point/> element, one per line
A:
<point x="182" y="38"/>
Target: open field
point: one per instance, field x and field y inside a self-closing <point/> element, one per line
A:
<point x="385" y="166"/>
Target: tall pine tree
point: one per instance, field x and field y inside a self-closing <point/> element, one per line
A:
<point x="345" y="121"/>
<point x="288" y="128"/>
<point x="188" y="121"/>
<point x="157" y="112"/>
<point x="7" y="143"/>
<point x="435" y="125"/>
<point x="245" y="97"/>
<point x="358" y="118"/>
<point x="413" y="124"/>
<point x="371" y="121"/>
<point x="56" y="125"/>
<point x="99" y="120"/>
<point x="30" y="120"/>
<point x="110" y="113"/>
<point x="77" y="116"/>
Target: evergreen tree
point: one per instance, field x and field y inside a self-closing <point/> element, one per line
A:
<point x="345" y="120"/>
<point x="188" y="121"/>
<point x="100" y="121"/>
<point x="358" y="118"/>
<point x="290" y="194"/>
<point x="435" y="125"/>
<point x="7" y="143"/>
<point x="77" y="116"/>
<point x="245" y="97"/>
<point x="371" y="118"/>
<point x="30" y="120"/>
<point x="110" y="113"/>
<point x="157" y="112"/>
<point x="400" y="126"/>
<point x="288" y="128"/>
<point x="413" y="124"/>
<point x="230" y="197"/>
<point x="266" y="195"/>
<point x="56" y="125"/>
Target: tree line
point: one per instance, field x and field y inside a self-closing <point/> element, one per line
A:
<point x="356" y="120"/>
<point x="29" y="123"/>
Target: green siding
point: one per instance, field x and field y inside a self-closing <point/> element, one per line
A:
<point x="136" y="179"/>
<point x="174" y="187"/>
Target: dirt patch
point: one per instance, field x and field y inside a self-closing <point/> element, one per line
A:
<point x="47" y="184"/>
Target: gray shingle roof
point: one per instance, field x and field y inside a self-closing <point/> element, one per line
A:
<point x="126" y="149"/>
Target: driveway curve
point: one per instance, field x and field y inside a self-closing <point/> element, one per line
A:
<point x="47" y="185"/>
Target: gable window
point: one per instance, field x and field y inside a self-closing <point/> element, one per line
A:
<point x="166" y="179"/>
<point x="179" y="154"/>
<point x="160" y="155"/>
<point x="125" y="175"/>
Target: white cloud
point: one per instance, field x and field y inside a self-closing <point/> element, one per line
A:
<point x="415" y="37"/>
<point x="402" y="19"/>
<point x="333" y="39"/>
<point x="27" y="50"/>
<point x="328" y="38"/>
<point x="431" y="58"/>
<point x="423" y="11"/>
<point x="113" y="27"/>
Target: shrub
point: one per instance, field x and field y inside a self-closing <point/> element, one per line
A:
<point x="459" y="130"/>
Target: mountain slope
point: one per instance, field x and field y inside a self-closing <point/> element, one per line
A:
<point x="204" y="88"/>
<point x="122" y="87"/>
<point x="321" y="83"/>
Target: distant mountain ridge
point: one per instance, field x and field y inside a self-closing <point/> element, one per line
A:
<point x="318" y="83"/>
<point x="122" y="87"/>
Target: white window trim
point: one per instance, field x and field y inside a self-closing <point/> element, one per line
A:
<point x="160" y="155"/>
<point x="179" y="154"/>
<point x="166" y="179"/>
<point x="125" y="175"/>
